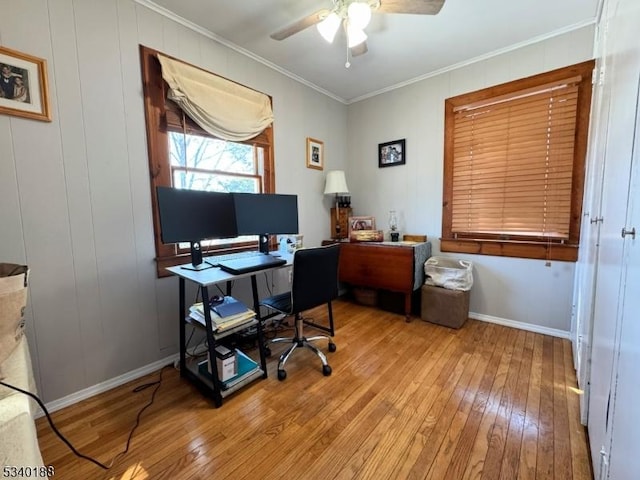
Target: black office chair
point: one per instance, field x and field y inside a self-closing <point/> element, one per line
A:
<point x="314" y="282"/>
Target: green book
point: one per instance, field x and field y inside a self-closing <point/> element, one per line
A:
<point x="246" y="366"/>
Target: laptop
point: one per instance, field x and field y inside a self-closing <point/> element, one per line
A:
<point x="251" y="264"/>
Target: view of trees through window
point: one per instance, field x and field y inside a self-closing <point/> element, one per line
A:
<point x="204" y="163"/>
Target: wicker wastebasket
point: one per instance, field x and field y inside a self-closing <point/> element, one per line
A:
<point x="366" y="296"/>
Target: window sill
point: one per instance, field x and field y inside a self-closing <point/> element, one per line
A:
<point x="162" y="263"/>
<point x="501" y="248"/>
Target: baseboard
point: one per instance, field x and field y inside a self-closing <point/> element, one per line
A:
<point x="554" y="332"/>
<point x="107" y="385"/>
<point x="152" y="367"/>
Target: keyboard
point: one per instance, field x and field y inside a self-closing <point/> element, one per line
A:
<point x="251" y="264"/>
<point x="215" y="260"/>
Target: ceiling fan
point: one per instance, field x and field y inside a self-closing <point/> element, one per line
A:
<point x="354" y="16"/>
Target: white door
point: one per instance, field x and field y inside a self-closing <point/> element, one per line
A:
<point x="624" y="459"/>
<point x="621" y="79"/>
<point x="586" y="273"/>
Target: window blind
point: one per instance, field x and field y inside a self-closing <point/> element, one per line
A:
<point x="175" y="120"/>
<point x="513" y="159"/>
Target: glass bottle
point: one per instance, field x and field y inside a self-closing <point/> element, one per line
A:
<point x="393" y="226"/>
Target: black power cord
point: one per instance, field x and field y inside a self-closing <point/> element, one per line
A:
<point x="68" y="443"/>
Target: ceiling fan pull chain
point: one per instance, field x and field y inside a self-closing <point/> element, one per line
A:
<point x="348" y="64"/>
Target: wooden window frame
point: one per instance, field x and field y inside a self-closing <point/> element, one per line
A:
<point x="515" y="245"/>
<point x="161" y="118"/>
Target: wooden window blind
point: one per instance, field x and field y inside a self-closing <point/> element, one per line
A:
<point x="514" y="166"/>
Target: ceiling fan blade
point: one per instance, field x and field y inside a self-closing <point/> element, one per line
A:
<point x="359" y="49"/>
<point x="300" y="25"/>
<point x="419" y="7"/>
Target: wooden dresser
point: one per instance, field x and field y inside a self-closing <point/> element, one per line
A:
<point x="393" y="266"/>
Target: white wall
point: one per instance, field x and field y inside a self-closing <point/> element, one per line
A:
<point x="75" y="196"/>
<point x="505" y="288"/>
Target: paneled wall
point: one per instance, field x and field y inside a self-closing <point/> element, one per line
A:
<point x="505" y="289"/>
<point x="74" y="193"/>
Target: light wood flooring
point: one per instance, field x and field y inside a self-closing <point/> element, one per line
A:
<point x="405" y="400"/>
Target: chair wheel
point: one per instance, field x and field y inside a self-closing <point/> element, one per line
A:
<point x="267" y="352"/>
<point x="282" y="375"/>
<point x="332" y="347"/>
<point x="326" y="370"/>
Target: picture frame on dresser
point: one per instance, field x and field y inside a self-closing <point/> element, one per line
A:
<point x="361" y="223"/>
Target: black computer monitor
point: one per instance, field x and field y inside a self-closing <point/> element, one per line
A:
<point x="265" y="214"/>
<point x="192" y="216"/>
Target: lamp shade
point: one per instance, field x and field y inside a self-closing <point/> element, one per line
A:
<point x="336" y="182"/>
<point x="359" y="14"/>
<point x="329" y="27"/>
<point x="355" y="36"/>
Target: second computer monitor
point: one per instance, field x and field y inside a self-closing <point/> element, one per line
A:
<point x="266" y="214"/>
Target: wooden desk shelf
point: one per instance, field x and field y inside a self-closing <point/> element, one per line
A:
<point x="189" y="369"/>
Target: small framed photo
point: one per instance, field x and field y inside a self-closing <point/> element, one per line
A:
<point x="315" y="153"/>
<point x="361" y="223"/>
<point x="23" y="85"/>
<point x="392" y="153"/>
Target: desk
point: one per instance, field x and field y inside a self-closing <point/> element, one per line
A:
<point x="393" y="266"/>
<point x="205" y="278"/>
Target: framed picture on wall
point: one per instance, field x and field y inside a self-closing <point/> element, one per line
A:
<point x="23" y="85"/>
<point x="392" y="153"/>
<point x="315" y="153"/>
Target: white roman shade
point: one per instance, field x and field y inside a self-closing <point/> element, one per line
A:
<point x="223" y="108"/>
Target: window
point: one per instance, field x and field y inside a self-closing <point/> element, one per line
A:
<point x="205" y="163"/>
<point x="184" y="155"/>
<point x="514" y="166"/>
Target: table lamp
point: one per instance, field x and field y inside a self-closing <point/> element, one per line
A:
<point x="336" y="183"/>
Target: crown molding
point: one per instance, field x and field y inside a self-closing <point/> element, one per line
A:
<point x="218" y="39"/>
<point x="196" y="28"/>
<point x="480" y="58"/>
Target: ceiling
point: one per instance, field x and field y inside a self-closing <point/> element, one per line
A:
<point x="401" y="47"/>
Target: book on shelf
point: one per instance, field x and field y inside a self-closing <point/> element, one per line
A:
<point x="220" y="324"/>
<point x="245" y="368"/>
<point x="229" y="307"/>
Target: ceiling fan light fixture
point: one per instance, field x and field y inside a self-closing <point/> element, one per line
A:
<point x="359" y="14"/>
<point x="355" y="36"/>
<point x="329" y="27"/>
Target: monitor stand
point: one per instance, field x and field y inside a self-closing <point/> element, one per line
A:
<point x="196" y="258"/>
<point x="263" y="243"/>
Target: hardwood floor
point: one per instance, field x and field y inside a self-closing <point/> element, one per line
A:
<point x="405" y="400"/>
